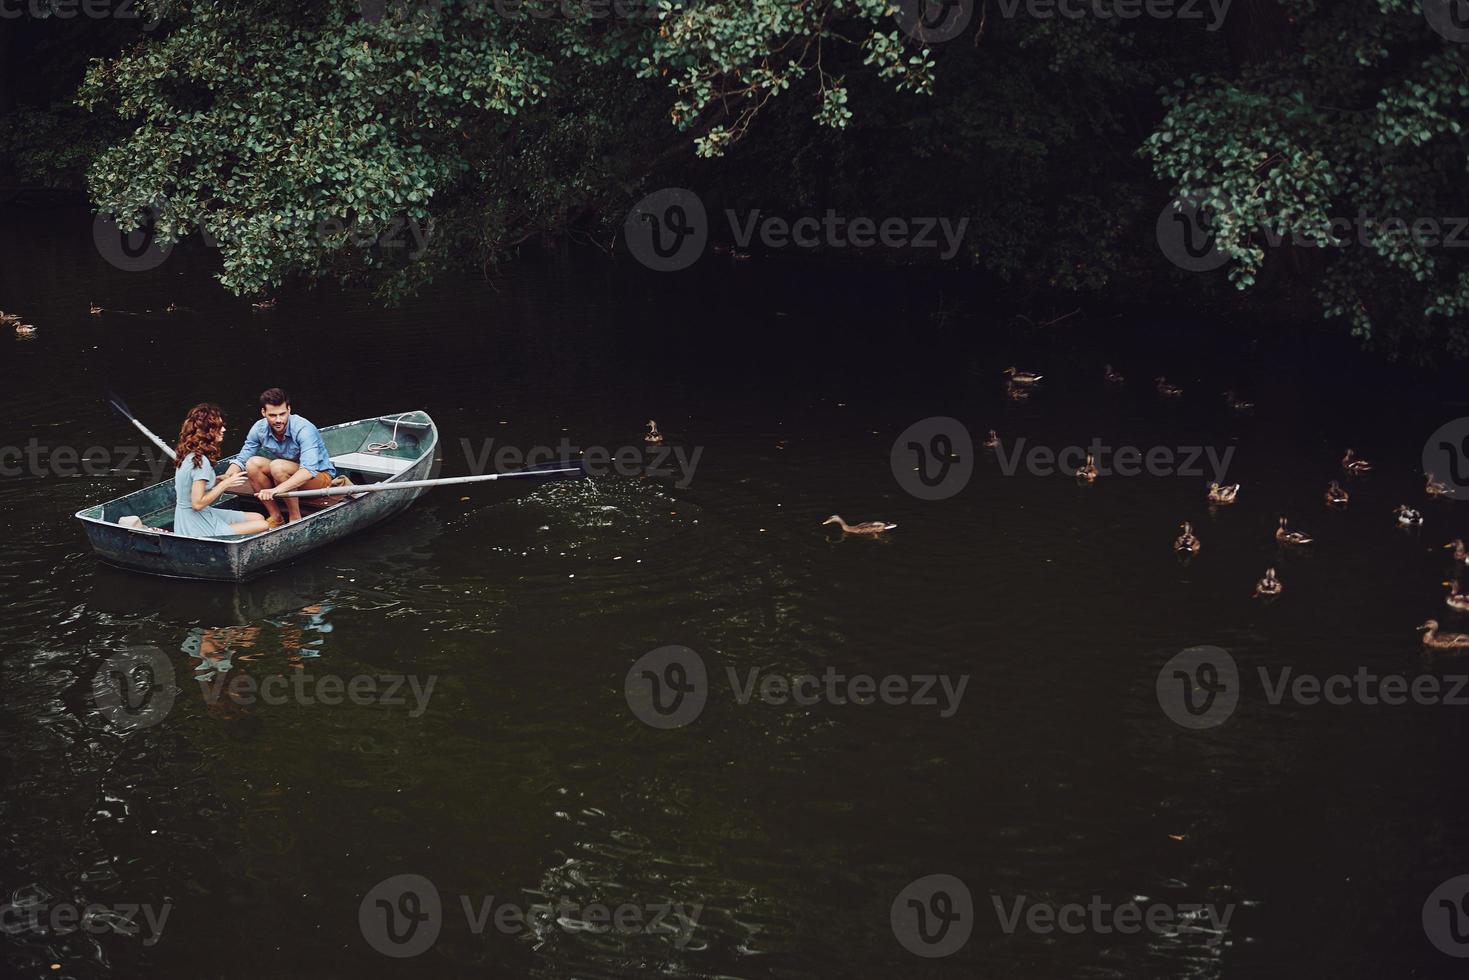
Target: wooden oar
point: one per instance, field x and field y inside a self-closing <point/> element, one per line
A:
<point x="447" y="481"/>
<point x="127" y="413"/>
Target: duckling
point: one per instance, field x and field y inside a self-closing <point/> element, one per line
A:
<point x="992" y="441"/>
<point x="654" y="437"/>
<point x="1455" y="599"/>
<point x="1021" y="377"/>
<point x="1268" y="586"/>
<point x="1434" y="640"/>
<point x="1223" y="495"/>
<point x="95" y="310"/>
<point x="25" y="330"/>
<point x="1167" y="390"/>
<point x="1336" y="496"/>
<point x="1087" y="473"/>
<point x="1236" y="405"/>
<point x="1291" y="537"/>
<point x="1353" y="465"/>
<point x="1110" y="376"/>
<point x="1407" y="516"/>
<point x="868" y="527"/>
<point x="1187" y="542"/>
<point x="1461" y="554"/>
<point x="1432" y="487"/>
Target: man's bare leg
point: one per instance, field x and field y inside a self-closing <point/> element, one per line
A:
<point x="280" y="472"/>
<point x="258" y="469"/>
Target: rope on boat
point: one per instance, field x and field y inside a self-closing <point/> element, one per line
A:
<point x="392" y="443"/>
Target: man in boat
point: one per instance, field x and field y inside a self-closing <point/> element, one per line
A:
<point x="298" y="459"/>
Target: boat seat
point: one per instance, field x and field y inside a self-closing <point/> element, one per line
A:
<point x="371" y="463"/>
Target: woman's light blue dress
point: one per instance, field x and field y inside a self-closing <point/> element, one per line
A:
<point x="209" y="522"/>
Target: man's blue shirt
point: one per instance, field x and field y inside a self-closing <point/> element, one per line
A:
<point x="302" y="443"/>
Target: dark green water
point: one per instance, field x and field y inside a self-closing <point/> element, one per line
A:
<point x="783" y="832"/>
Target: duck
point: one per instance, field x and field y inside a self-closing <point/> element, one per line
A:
<point x="1461" y="554"/>
<point x="25" y="330"/>
<point x="171" y="308"/>
<point x="1087" y="473"/>
<point x="1455" y="599"/>
<point x="1407" y="516"/>
<point x="1291" y="537"/>
<point x="1110" y="376"/>
<point x="1434" y="640"/>
<point x="1237" y="405"/>
<point x="992" y="441"/>
<point x="654" y="437"/>
<point x="94" y="309"/>
<point x="263" y="305"/>
<point x="1223" y="495"/>
<point x="1187" y="542"/>
<point x="1336" y="496"/>
<point x="9" y="317"/>
<point x="1433" y="487"/>
<point x="1167" y="390"/>
<point x="1022" y="377"/>
<point x="1269" y="585"/>
<point x="867" y="527"/>
<point x="1353" y="465"/>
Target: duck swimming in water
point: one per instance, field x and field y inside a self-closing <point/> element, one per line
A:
<point x="1167" y="390"/>
<point x="1022" y="377"/>
<point x="1460" y="552"/>
<point x="1432" y="487"/>
<point x="1187" y="543"/>
<point x="1291" y="537"/>
<point x="992" y="441"/>
<point x="1336" y="496"/>
<point x="1110" y="376"/>
<point x="1434" y="640"/>
<point x="1456" y="600"/>
<point x="869" y="527"/>
<point x="1407" y="516"/>
<point x="654" y="437"/>
<point x="1269" y="585"/>
<point x="1353" y="465"/>
<point x="1223" y="495"/>
<point x="25" y="330"/>
<point x="1087" y="472"/>
<point x="1237" y="405"/>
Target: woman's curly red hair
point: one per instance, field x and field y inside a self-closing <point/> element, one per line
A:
<point x="201" y="435"/>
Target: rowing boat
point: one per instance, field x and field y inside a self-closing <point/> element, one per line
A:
<point x="382" y="450"/>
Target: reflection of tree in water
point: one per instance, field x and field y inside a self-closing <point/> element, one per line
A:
<point x="221" y="654"/>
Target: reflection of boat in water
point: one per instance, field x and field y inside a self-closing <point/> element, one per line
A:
<point x="122" y="593"/>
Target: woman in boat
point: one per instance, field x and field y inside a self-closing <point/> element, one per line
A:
<point x="196" y="487"/>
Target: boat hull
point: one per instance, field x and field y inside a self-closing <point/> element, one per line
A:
<point x="242" y="559"/>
